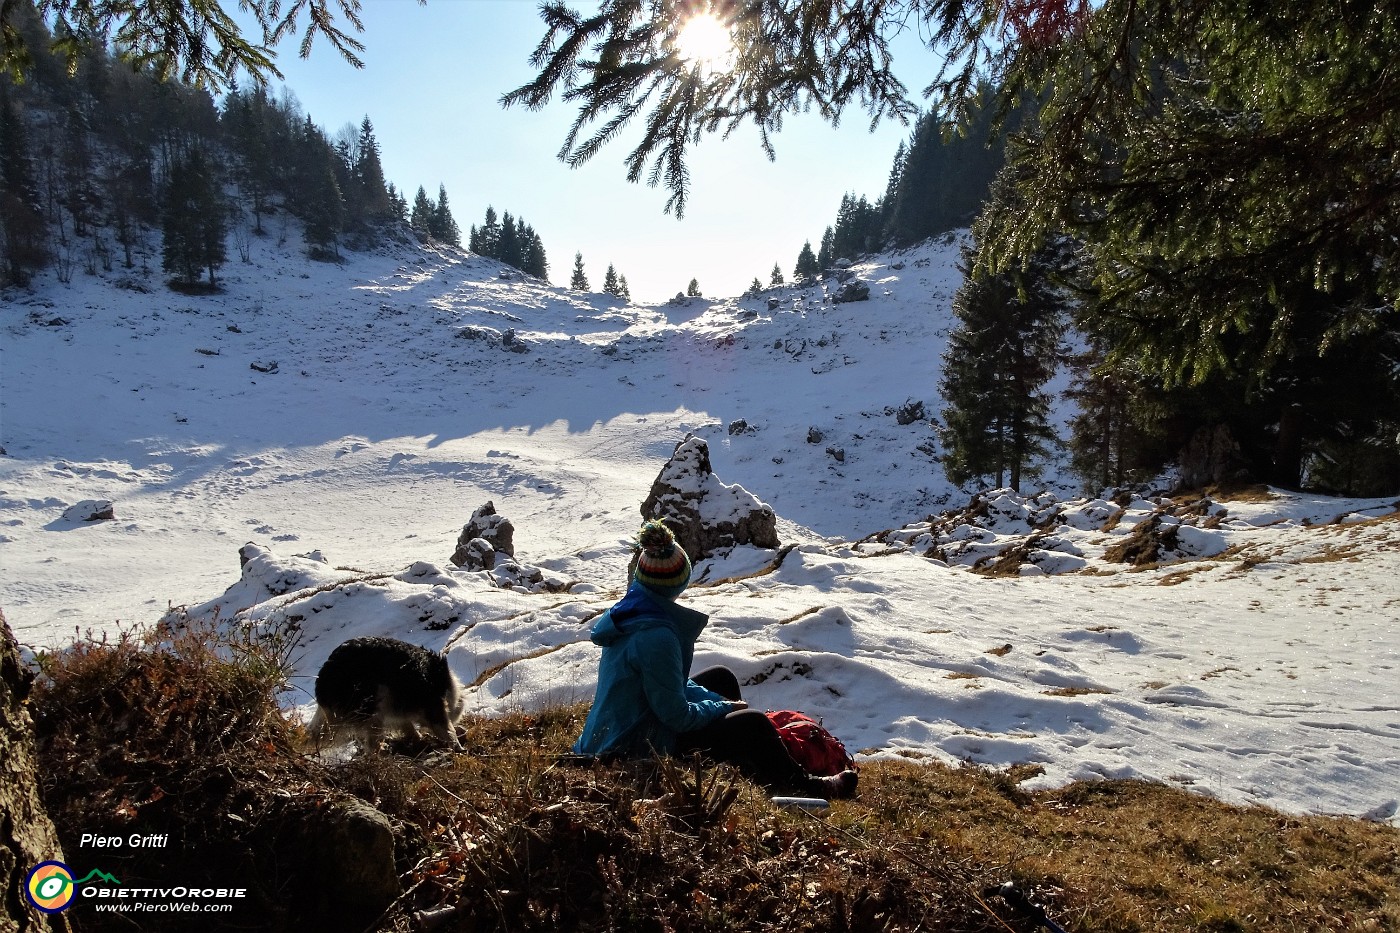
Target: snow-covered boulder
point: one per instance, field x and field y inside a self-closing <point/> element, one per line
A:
<point x="89" y="510"/>
<point x="706" y="514"/>
<point x="264" y="574"/>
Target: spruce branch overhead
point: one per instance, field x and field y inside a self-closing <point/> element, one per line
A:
<point x="624" y="65"/>
<point x="1229" y="169"/>
<point x="195" y="41"/>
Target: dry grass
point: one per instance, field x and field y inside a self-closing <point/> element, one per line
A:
<point x="514" y="835"/>
<point x="1181" y="576"/>
<point x="1074" y="691"/>
<point x="1131" y="856"/>
<point x="1332" y="553"/>
<point x="1238" y="492"/>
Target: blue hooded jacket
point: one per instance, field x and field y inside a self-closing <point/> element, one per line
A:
<point x="645" y="697"/>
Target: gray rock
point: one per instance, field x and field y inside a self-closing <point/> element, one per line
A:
<point x="852" y="291"/>
<point x="476" y="554"/>
<point x="493" y="531"/>
<point x="348" y="865"/>
<point x="911" y="411"/>
<point x="706" y="514"/>
<point x="90" y="510"/>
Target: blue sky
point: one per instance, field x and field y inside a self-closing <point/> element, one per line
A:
<point x="432" y="80"/>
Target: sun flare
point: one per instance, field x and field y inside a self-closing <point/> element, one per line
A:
<point x="704" y="40"/>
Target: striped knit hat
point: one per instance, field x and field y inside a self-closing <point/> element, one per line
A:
<point x="662" y="565"/>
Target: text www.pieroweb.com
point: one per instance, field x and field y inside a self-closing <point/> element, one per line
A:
<point x="178" y="900"/>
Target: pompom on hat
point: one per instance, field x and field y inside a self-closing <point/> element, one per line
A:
<point x="662" y="564"/>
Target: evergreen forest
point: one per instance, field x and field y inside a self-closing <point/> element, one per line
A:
<point x="1307" y="396"/>
<point x="93" y="163"/>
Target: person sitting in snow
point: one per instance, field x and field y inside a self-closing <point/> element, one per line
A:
<point x="648" y="703"/>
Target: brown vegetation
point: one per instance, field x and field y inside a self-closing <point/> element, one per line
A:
<point x="181" y="734"/>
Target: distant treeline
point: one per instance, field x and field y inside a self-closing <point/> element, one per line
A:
<point x="92" y="163"/>
<point x="939" y="181"/>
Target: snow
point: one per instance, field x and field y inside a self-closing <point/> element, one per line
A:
<point x="1255" y="662"/>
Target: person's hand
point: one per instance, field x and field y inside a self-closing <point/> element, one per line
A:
<point x="736" y="705"/>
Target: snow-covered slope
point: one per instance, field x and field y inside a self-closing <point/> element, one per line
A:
<point x="396" y="408"/>
<point x="1258" y="662"/>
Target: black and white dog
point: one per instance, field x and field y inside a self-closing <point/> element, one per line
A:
<point x="372" y="686"/>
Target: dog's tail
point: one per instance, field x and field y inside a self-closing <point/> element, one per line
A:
<point x="317" y="731"/>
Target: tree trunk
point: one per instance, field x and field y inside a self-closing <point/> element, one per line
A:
<point x="27" y="836"/>
<point x="1288" y="449"/>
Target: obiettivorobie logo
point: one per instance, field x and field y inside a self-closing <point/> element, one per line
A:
<point x="51" y="886"/>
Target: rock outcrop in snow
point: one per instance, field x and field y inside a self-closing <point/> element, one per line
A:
<point x="707" y="515"/>
<point x="90" y="510"/>
<point x="1002" y="533"/>
<point x="485" y="535"/>
<point x="487" y="543"/>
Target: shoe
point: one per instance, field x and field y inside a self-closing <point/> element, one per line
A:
<point x="836" y="787"/>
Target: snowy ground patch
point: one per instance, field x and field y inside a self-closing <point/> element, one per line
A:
<point x="1244" y="649"/>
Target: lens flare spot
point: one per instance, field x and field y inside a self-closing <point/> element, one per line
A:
<point x="704" y="40"/>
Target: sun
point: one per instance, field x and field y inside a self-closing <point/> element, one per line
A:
<point x="704" y="40"/>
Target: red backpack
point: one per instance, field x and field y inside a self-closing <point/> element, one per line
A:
<point x="811" y="746"/>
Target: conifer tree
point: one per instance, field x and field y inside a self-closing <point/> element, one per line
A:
<point x="1004" y="349"/>
<point x="623" y="291"/>
<point x="693" y="289"/>
<point x="755" y="286"/>
<point x="857" y="228"/>
<point x="421" y="218"/>
<point x="509" y="249"/>
<point x="826" y="255"/>
<point x="128" y="190"/>
<point x="369" y="175"/>
<point x="843" y="231"/>
<point x="324" y="213"/>
<point x="75" y="160"/>
<point x="398" y="206"/>
<point x="484" y="240"/>
<point x="307" y="155"/>
<point x="611" y="285"/>
<point x="776" y="277"/>
<point x="807" y="266"/>
<point x="945" y="176"/>
<point x="441" y="225"/>
<point x="579" y="282"/>
<point x="344" y="164"/>
<point x="195" y="41"/>
<point x="195" y="221"/>
<point x="22" y="229"/>
<point x="533" y="260"/>
<point x="887" y="202"/>
<point x="1102" y="429"/>
<point x="247" y="121"/>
